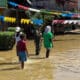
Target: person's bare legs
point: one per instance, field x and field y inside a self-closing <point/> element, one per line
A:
<point x="22" y="65"/>
<point x="47" y="53"/>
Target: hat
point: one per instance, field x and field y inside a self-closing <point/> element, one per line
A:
<point x="18" y="29"/>
<point x="21" y="33"/>
<point x="48" y="29"/>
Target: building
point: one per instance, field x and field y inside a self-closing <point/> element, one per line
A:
<point x="72" y="5"/>
<point x="55" y="4"/>
<point x="3" y="6"/>
<point x="43" y="4"/>
<point x="79" y="5"/>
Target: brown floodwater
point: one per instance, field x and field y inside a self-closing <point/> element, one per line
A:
<point x="63" y="63"/>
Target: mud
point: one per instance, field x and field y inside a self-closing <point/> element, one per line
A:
<point x="63" y="63"/>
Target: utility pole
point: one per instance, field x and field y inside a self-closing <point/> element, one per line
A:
<point x="17" y="17"/>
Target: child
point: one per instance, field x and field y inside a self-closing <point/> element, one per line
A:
<point x="48" y="40"/>
<point x="22" y="50"/>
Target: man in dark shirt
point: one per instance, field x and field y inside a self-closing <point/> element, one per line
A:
<point x="37" y="41"/>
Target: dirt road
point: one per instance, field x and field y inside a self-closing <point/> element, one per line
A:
<point x="63" y="63"/>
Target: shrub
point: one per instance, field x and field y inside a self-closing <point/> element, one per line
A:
<point x="7" y="40"/>
<point x="11" y="29"/>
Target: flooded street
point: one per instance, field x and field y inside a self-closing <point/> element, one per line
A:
<point x="63" y="63"/>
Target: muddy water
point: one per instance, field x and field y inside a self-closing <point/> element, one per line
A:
<point x="63" y="63"/>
